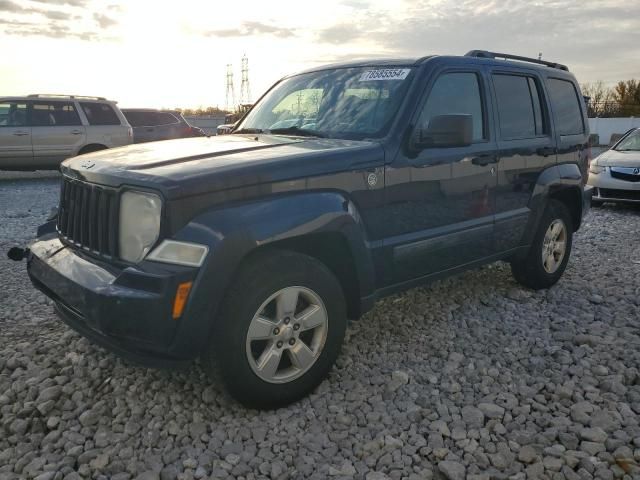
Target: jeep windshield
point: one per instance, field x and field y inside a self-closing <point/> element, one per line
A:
<point x="349" y="103"/>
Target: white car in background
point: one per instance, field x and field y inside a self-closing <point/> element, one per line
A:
<point x="615" y="174"/>
<point x="40" y="131"/>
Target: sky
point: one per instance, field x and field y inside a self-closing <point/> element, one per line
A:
<point x="166" y="54"/>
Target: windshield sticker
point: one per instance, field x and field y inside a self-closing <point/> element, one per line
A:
<point x="385" y="74"/>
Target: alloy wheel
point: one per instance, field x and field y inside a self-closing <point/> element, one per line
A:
<point x="287" y="334"/>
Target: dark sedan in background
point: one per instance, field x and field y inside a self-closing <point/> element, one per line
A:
<point x="151" y="125"/>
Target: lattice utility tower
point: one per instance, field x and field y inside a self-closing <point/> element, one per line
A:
<point x="245" y="89"/>
<point x="230" y="100"/>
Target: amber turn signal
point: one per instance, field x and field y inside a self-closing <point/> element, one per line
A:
<point x="182" y="293"/>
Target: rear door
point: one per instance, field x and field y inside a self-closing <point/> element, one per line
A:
<point x="525" y="145"/>
<point x="57" y="132"/>
<point x="571" y="127"/>
<point x="167" y="126"/>
<point x="15" y="135"/>
<point x="150" y="126"/>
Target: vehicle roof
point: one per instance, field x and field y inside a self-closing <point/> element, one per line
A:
<point x="158" y="110"/>
<point x="60" y="98"/>
<point x="408" y="62"/>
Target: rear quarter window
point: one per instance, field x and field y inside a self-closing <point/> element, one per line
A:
<point x="566" y="107"/>
<point x="100" y="113"/>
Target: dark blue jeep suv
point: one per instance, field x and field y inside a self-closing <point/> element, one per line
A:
<point x="343" y="184"/>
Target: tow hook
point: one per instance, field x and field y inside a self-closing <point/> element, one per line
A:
<point x="17" y="254"/>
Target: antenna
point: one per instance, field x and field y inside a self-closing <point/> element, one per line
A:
<point x="230" y="100"/>
<point x="245" y="90"/>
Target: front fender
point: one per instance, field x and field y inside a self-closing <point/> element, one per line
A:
<point x="233" y="232"/>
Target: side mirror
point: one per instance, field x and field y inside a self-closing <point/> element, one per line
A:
<point x="454" y="130"/>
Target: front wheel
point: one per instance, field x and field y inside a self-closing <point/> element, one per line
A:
<point x="279" y="331"/>
<point x="547" y="258"/>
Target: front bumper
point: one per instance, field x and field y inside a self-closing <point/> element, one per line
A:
<point x="126" y="310"/>
<point x="609" y="189"/>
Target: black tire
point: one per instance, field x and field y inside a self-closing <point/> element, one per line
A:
<point x="258" y="279"/>
<point x="529" y="270"/>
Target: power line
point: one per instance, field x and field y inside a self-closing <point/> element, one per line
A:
<point x="230" y="99"/>
<point x="245" y="89"/>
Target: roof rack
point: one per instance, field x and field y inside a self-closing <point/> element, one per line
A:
<point x="55" y="95"/>
<point x="507" y="56"/>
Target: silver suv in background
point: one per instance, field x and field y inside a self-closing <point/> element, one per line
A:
<point x="40" y="131"/>
<point x="151" y="125"/>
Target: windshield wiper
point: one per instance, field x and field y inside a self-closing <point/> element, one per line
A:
<point x="249" y="130"/>
<point x="302" y="132"/>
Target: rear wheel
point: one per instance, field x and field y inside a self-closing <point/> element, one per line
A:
<point x="547" y="258"/>
<point x="91" y="148"/>
<point x="279" y="331"/>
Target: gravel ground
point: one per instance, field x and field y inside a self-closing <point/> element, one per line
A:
<point x="471" y="377"/>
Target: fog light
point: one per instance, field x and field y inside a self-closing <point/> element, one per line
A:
<point x="179" y="253"/>
<point x="182" y="293"/>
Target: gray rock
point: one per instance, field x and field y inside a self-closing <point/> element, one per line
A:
<point x="527" y="454"/>
<point x="472" y="416"/>
<point x="595" y="434"/>
<point x="148" y="475"/>
<point x="89" y="417"/>
<point x="452" y="470"/>
<point x="398" y="379"/>
<point x="491" y="410"/>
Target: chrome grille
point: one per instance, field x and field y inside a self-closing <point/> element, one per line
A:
<point x="88" y="216"/>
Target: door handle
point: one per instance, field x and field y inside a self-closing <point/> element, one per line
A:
<point x="484" y="160"/>
<point x="150" y="129"/>
<point x="76" y="132"/>
<point x="546" y="151"/>
<point x="20" y="133"/>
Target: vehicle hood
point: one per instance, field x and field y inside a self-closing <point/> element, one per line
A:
<point x="613" y="158"/>
<point x="198" y="165"/>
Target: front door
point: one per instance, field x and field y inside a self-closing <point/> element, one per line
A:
<point x="15" y="136"/>
<point x="57" y="132"/>
<point x="441" y="200"/>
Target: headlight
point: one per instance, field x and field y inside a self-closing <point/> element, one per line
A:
<point x="179" y="253"/>
<point x="596" y="169"/>
<point x="139" y="224"/>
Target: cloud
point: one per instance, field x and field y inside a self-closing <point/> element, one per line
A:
<point x="250" y="28"/>
<point x="36" y="20"/>
<point x="339" y="34"/>
<point x="73" y="3"/>
<point x="104" y="20"/>
<point x="11" y="7"/>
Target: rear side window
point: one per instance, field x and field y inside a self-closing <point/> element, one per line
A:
<point x="149" y="119"/>
<point x="13" y="114"/>
<point x="566" y="107"/>
<point x="519" y="108"/>
<point x="100" y="113"/>
<point x="456" y="93"/>
<point x="54" y="114"/>
<point x="163" y="118"/>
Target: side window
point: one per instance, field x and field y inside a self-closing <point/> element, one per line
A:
<point x="164" y="118"/>
<point x="566" y="107"/>
<point x="100" y="113"/>
<point x="135" y="119"/>
<point x="13" y="114"/>
<point x="54" y="114"/>
<point x="456" y="93"/>
<point x="519" y="107"/>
